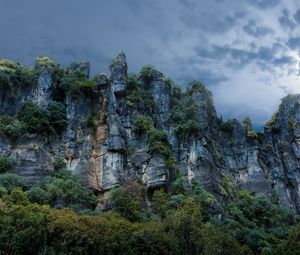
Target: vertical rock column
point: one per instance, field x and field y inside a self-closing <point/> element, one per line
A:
<point x="114" y="160"/>
<point x="44" y="90"/>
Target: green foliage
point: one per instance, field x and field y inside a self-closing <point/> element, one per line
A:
<point x="228" y="126"/>
<point x="57" y="116"/>
<point x="128" y="200"/>
<point x="10" y="181"/>
<point x="44" y="61"/>
<point x="5" y="163"/>
<point x="195" y="87"/>
<point x="247" y="121"/>
<point x="158" y="142"/>
<point x="138" y="97"/>
<point x="10" y="126"/>
<point x="59" y="164"/>
<point x="186" y="224"/>
<point x="13" y="74"/>
<point x="33" y="119"/>
<point x="257" y="222"/>
<point x="63" y="186"/>
<point x="183" y="114"/>
<point x="91" y="122"/>
<point x="272" y="121"/>
<point x="147" y="72"/>
<point x="75" y="80"/>
<point x="142" y="125"/>
<point x="160" y="202"/>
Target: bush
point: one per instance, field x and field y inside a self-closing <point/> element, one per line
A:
<point x="10" y="181"/>
<point x="160" y="202"/>
<point x="128" y="200"/>
<point x="227" y="127"/>
<point x="183" y="115"/>
<point x="13" y="74"/>
<point x="91" y="122"/>
<point x="66" y="187"/>
<point x="195" y="87"/>
<point x="75" y="80"/>
<point x="138" y="97"/>
<point x="59" y="164"/>
<point x="57" y="116"/>
<point x="142" y="125"/>
<point x="5" y="163"/>
<point x="147" y="72"/>
<point x="158" y="142"/>
<point x="34" y="118"/>
<point x="257" y="222"/>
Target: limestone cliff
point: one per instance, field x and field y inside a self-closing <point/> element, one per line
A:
<point x="102" y="145"/>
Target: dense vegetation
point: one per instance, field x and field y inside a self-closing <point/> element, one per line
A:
<point x="60" y="215"/>
<point x="182" y="220"/>
<point x="33" y="119"/>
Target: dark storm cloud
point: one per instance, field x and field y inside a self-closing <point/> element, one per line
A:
<point x="238" y="58"/>
<point x="224" y="43"/>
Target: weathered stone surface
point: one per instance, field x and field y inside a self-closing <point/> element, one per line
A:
<point x="118" y="77"/>
<point x="155" y="173"/>
<point x="111" y="153"/>
<point x="32" y="161"/>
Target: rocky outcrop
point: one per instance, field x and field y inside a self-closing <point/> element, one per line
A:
<point x="102" y="147"/>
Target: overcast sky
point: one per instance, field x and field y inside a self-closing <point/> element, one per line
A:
<point x="245" y="51"/>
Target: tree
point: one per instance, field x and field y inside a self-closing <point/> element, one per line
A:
<point x="128" y="200"/>
<point x="160" y="202"/>
<point x="185" y="225"/>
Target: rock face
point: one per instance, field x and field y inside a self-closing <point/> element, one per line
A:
<point x="102" y="146"/>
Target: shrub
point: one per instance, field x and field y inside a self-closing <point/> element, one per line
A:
<point x="257" y="222"/>
<point x="75" y="80"/>
<point x="34" y="118"/>
<point x="57" y="116"/>
<point x="142" y="125"/>
<point x="91" y="122"/>
<point x="158" y="142"/>
<point x="10" y="126"/>
<point x="195" y="87"/>
<point x="13" y="74"/>
<point x="160" y="202"/>
<point x="147" y="72"/>
<point x="64" y="185"/>
<point x="5" y="163"/>
<point x="128" y="200"/>
<point x="183" y="115"/>
<point x="10" y="181"/>
<point x="59" y="164"/>
<point x="138" y="97"/>
<point x="227" y="127"/>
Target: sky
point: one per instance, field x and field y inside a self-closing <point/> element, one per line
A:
<point x="246" y="52"/>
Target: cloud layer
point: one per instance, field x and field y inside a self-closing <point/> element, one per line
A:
<point x="246" y="52"/>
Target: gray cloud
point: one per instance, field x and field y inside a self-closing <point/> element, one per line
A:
<point x="286" y="21"/>
<point x="297" y="16"/>
<point x="257" y="31"/>
<point x="294" y="43"/>
<point x="239" y="53"/>
<point x="264" y="4"/>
